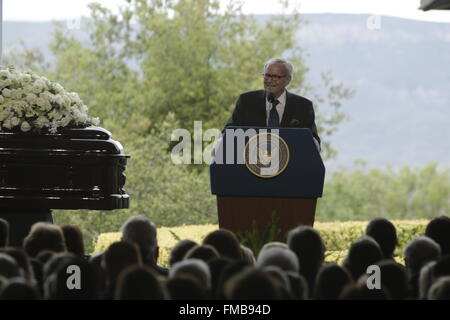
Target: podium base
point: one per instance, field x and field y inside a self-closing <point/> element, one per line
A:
<point x="238" y="213"/>
<point x="21" y="220"/>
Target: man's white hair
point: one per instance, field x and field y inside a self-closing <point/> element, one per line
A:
<point x="281" y="257"/>
<point x="288" y="66"/>
<point x="141" y="230"/>
<point x="195" y="267"/>
<point x="420" y="251"/>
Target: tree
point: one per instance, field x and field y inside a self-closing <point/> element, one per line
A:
<point x="186" y="57"/>
<point x="406" y="193"/>
<point x="160" y="64"/>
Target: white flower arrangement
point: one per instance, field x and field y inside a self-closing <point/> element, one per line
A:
<point x="31" y="102"/>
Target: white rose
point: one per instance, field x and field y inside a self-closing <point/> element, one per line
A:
<point x="6" y="93"/>
<point x="55" y="115"/>
<point x="75" y="98"/>
<point x="59" y="88"/>
<point x="7" y="124"/>
<point x="84" y="108"/>
<point x="81" y="117"/>
<point x="31" y="98"/>
<point x="4" y="73"/>
<point x="3" y="84"/>
<point x="66" y="101"/>
<point x="46" y="95"/>
<point x="14" y="78"/>
<point x="15" y="121"/>
<point x="25" y="77"/>
<point x="95" y="121"/>
<point x="16" y="94"/>
<point x="43" y="104"/>
<point x="58" y="99"/>
<point x="25" y="126"/>
<point x="30" y="112"/>
<point x="53" y="127"/>
<point x="41" y="122"/>
<point x="64" y="121"/>
<point x="4" y="114"/>
<point x="38" y="86"/>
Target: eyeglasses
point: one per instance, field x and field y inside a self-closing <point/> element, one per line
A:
<point x="272" y="76"/>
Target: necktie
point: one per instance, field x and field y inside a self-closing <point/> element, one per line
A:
<point x="274" y="119"/>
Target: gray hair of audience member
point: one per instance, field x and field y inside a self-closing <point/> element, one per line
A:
<point x="248" y="255"/>
<point x="4" y="233"/>
<point x="440" y="290"/>
<point x="194" y="267"/>
<point x="274" y="244"/>
<point x="426" y="279"/>
<point x="142" y="231"/>
<point x="419" y="251"/>
<point x="283" y="258"/>
<point x="9" y="267"/>
<point x="287" y="65"/>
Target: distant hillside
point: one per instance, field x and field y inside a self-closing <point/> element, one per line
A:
<point x="401" y="111"/>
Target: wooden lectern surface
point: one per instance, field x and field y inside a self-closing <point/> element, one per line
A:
<point x="238" y="213"/>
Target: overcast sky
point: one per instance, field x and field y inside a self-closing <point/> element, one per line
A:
<point x="44" y="10"/>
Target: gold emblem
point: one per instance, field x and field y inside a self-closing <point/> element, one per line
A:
<point x="266" y="155"/>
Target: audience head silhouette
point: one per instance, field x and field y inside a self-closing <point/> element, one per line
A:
<point x="225" y="242"/>
<point x="438" y="229"/>
<point x="44" y="236"/>
<point x="363" y="253"/>
<point x="384" y="233"/>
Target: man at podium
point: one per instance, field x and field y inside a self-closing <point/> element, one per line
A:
<point x="282" y="173"/>
<point x="275" y="106"/>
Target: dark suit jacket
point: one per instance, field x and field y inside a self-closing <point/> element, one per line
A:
<point x="251" y="111"/>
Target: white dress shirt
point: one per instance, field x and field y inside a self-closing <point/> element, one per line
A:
<point x="280" y="107"/>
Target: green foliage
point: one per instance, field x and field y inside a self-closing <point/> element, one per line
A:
<point x="186" y="57"/>
<point x="406" y="193"/>
<point x="168" y="194"/>
<point x="419" y="193"/>
<point x="160" y="65"/>
<point x="338" y="237"/>
<point x="256" y="238"/>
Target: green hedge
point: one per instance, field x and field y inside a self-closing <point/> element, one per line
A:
<point x="338" y="237"/>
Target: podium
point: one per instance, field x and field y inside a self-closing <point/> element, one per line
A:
<point x="245" y="195"/>
<point x="74" y="168"/>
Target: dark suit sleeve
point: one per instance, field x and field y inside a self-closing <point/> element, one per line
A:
<point x="235" y="118"/>
<point x="310" y="122"/>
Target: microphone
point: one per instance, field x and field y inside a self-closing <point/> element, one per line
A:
<point x="270" y="97"/>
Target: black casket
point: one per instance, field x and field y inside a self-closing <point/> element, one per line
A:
<point x="75" y="168"/>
